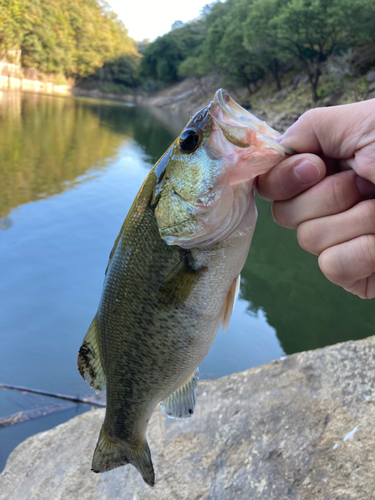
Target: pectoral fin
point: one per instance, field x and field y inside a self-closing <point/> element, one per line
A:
<point x="177" y="285"/>
<point x="181" y="403"/>
<point x="229" y="302"/>
<point x="89" y="362"/>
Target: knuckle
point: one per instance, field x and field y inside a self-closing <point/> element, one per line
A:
<point x="342" y="191"/>
<point x="264" y="186"/>
<point x="306" y="237"/>
<point x="282" y="215"/>
<point x="312" y="116"/>
<point x="368" y="211"/>
<point x="350" y="261"/>
<point x="331" y="265"/>
<point x="364" y="170"/>
<point x="364" y="163"/>
<point x="368" y="250"/>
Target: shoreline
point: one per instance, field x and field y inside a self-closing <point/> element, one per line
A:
<point x="15" y="83"/>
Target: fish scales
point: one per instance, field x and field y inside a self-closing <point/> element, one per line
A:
<point x="137" y="322"/>
<point x="172" y="278"/>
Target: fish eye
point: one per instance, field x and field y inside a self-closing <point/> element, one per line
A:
<point x="189" y="140"/>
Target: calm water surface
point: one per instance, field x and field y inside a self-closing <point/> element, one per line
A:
<point x="69" y="171"/>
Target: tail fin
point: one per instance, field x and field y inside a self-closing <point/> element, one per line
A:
<point x="108" y="455"/>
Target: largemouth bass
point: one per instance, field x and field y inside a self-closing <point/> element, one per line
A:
<point x="173" y="276"/>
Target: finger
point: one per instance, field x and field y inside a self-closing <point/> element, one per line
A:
<point x="364" y="163"/>
<point x="334" y="194"/>
<point x="317" y="235"/>
<point x="337" y="131"/>
<point x="291" y="177"/>
<point x="349" y="263"/>
<point x="364" y="288"/>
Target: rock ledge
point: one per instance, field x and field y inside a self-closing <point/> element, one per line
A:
<point x="297" y="428"/>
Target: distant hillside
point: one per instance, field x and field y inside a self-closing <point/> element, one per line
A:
<point x="248" y="45"/>
<point x="62" y="38"/>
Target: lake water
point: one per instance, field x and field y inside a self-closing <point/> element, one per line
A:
<point x="69" y="171"/>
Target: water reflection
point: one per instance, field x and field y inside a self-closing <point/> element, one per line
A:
<point x="10" y="104"/>
<point x="153" y="129"/>
<point x="6" y="223"/>
<point x="46" y="144"/>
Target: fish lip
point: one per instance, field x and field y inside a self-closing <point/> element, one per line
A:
<point x="226" y="113"/>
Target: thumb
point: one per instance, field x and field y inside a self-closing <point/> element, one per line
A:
<point x="338" y="132"/>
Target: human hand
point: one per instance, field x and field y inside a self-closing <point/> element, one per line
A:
<point x="328" y="198"/>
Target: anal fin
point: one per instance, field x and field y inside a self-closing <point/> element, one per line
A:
<point x="181" y="403"/>
<point x="89" y="362"/>
<point x="230" y="301"/>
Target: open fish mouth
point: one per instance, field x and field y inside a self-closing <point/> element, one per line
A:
<point x="240" y="127"/>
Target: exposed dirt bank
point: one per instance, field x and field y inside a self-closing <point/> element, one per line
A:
<point x="279" y="108"/>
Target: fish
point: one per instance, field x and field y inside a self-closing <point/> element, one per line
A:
<point x="173" y="276"/>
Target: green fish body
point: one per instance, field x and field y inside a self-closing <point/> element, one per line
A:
<point x="173" y="277"/>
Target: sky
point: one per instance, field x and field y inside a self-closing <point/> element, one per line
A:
<point x="152" y="18"/>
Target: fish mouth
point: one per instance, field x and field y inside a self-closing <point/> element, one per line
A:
<point x="238" y="125"/>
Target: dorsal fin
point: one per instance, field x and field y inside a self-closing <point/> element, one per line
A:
<point x="89" y="362"/>
<point x="181" y="403"/>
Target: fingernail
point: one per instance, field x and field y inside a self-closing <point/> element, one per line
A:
<point x="306" y="172"/>
<point x="365" y="187"/>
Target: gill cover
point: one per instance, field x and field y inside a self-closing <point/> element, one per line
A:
<point x="192" y="194"/>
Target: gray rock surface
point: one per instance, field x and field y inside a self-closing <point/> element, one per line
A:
<point x="300" y="428"/>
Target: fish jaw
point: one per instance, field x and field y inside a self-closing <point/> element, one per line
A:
<point x="245" y="143"/>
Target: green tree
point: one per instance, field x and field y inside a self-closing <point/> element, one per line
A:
<point x="195" y="67"/>
<point x="161" y="59"/>
<point x="242" y="67"/>
<point x="119" y="76"/>
<point x="12" y="14"/>
<point x="48" y="43"/>
<point x="100" y="36"/>
<point x="224" y="47"/>
<point x="73" y="37"/>
<point x="312" y="30"/>
<point x="261" y="39"/>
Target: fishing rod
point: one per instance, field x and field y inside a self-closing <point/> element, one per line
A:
<point x="88" y="400"/>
